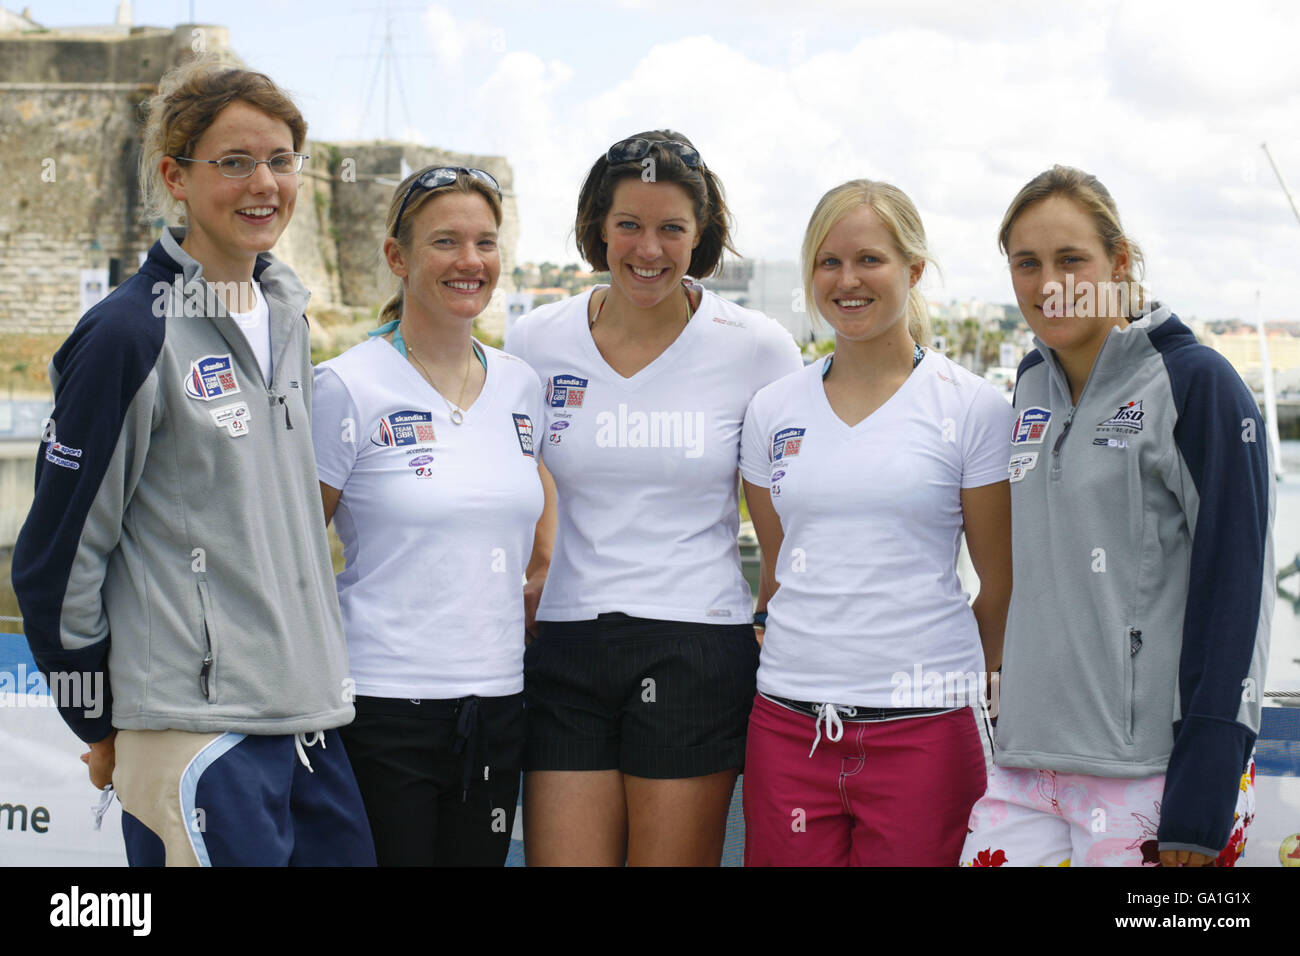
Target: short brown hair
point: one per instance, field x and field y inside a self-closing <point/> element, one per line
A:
<point x="188" y="100"/>
<point x="1096" y="200"/>
<point x="711" y="214"/>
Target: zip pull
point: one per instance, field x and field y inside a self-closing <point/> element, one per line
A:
<point x="203" y="674"/>
<point x="1134" y="641"/>
<point x="276" y="397"/>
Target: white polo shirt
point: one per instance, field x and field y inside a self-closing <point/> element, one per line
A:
<point x="646" y="466"/>
<point x="436" y="521"/>
<point x="869" y="607"/>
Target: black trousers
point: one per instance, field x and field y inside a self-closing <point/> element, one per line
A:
<point x="439" y="778"/>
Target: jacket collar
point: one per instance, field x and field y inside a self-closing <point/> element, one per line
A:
<point x="1124" y="347"/>
<point x="280" y="286"/>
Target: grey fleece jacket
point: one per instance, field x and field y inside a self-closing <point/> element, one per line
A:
<point x="1138" y="629"/>
<point x="176" y="539"/>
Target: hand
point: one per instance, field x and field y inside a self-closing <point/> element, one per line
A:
<point x="101" y="758"/>
<point x="1184" y="858"/>
<point x="532" y="597"/>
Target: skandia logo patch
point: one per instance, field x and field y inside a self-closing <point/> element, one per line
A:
<point x="566" y="391"/>
<point x="212" y="376"/>
<point x="524" y="430"/>
<point x="407" y="427"/>
<point x="786" y="443"/>
<point x="1031" y="426"/>
<point x="1126" y="416"/>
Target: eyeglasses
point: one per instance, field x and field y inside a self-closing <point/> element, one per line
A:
<point x="239" y="166"/>
<point x="443" y="176"/>
<point x="632" y="150"/>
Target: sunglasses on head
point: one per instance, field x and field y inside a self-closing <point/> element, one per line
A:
<point x="443" y="176"/>
<point x="632" y="150"/>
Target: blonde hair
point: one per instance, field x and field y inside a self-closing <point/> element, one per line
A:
<point x="902" y="220"/>
<point x="464" y="184"/>
<point x="1086" y="190"/>
<point x="188" y="100"/>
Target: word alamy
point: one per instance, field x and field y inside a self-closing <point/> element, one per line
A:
<point x="923" y="688"/>
<point x="201" y="298"/>
<point x="651" y="430"/>
<point x="1090" y="300"/>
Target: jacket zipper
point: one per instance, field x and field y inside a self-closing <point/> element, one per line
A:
<point x="1134" y="645"/>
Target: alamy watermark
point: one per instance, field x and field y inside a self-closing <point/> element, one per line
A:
<point x="67" y="690"/>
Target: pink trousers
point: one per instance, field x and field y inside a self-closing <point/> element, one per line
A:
<point x="886" y="793"/>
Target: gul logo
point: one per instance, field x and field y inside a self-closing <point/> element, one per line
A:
<point x="559" y="426"/>
<point x="629" y="429"/>
<point x="566" y="391"/>
<point x="233" y="418"/>
<point x="778" y="475"/>
<point x="212" y="376"/>
<point x="1111" y="442"/>
<point x="62" y="455"/>
<point x="1126" y="416"/>
<point x="1020" y="465"/>
<point x="423" y="465"/>
<point x="524" y="429"/>
<point x="408" y="427"/>
<point x="786" y="443"/>
<point x="1031" y="426"/>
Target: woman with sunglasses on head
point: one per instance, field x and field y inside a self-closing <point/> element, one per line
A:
<point x="640" y="681"/>
<point x="425" y="441"/>
<point x="861" y="473"/>
<point x="175" y="538"/>
<point x="1142" y="504"/>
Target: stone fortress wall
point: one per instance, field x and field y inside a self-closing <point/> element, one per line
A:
<point x="69" y="145"/>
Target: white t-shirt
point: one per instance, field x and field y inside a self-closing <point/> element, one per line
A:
<point x="869" y="607"/>
<point x="646" y="466"/>
<point x="436" y="521"/>
<point x="256" y="326"/>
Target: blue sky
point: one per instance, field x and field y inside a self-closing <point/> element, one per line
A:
<point x="957" y="103"/>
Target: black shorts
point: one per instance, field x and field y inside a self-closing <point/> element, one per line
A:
<point x="657" y="699"/>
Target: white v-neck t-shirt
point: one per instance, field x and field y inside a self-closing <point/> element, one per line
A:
<point x="645" y="466"/>
<point x="256" y="326"/>
<point x="869" y="605"/>
<point x="436" y="521"/>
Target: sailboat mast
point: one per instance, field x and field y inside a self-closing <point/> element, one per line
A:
<point x="1270" y="395"/>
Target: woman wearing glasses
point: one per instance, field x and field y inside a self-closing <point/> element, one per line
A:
<point x="425" y="441"/>
<point x="175" y="539"/>
<point x="641" y="680"/>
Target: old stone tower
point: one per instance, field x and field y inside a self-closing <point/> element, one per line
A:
<point x="69" y="144"/>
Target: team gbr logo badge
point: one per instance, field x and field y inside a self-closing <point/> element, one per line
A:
<point x="1126" y="416"/>
<point x="524" y="429"/>
<point x="1031" y="426"/>
<point x="408" y="427"/>
<point x="212" y="376"/>
<point x="786" y="443"/>
<point x="566" y="391"/>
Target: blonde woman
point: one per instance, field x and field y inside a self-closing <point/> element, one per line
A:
<point x="861" y="472"/>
